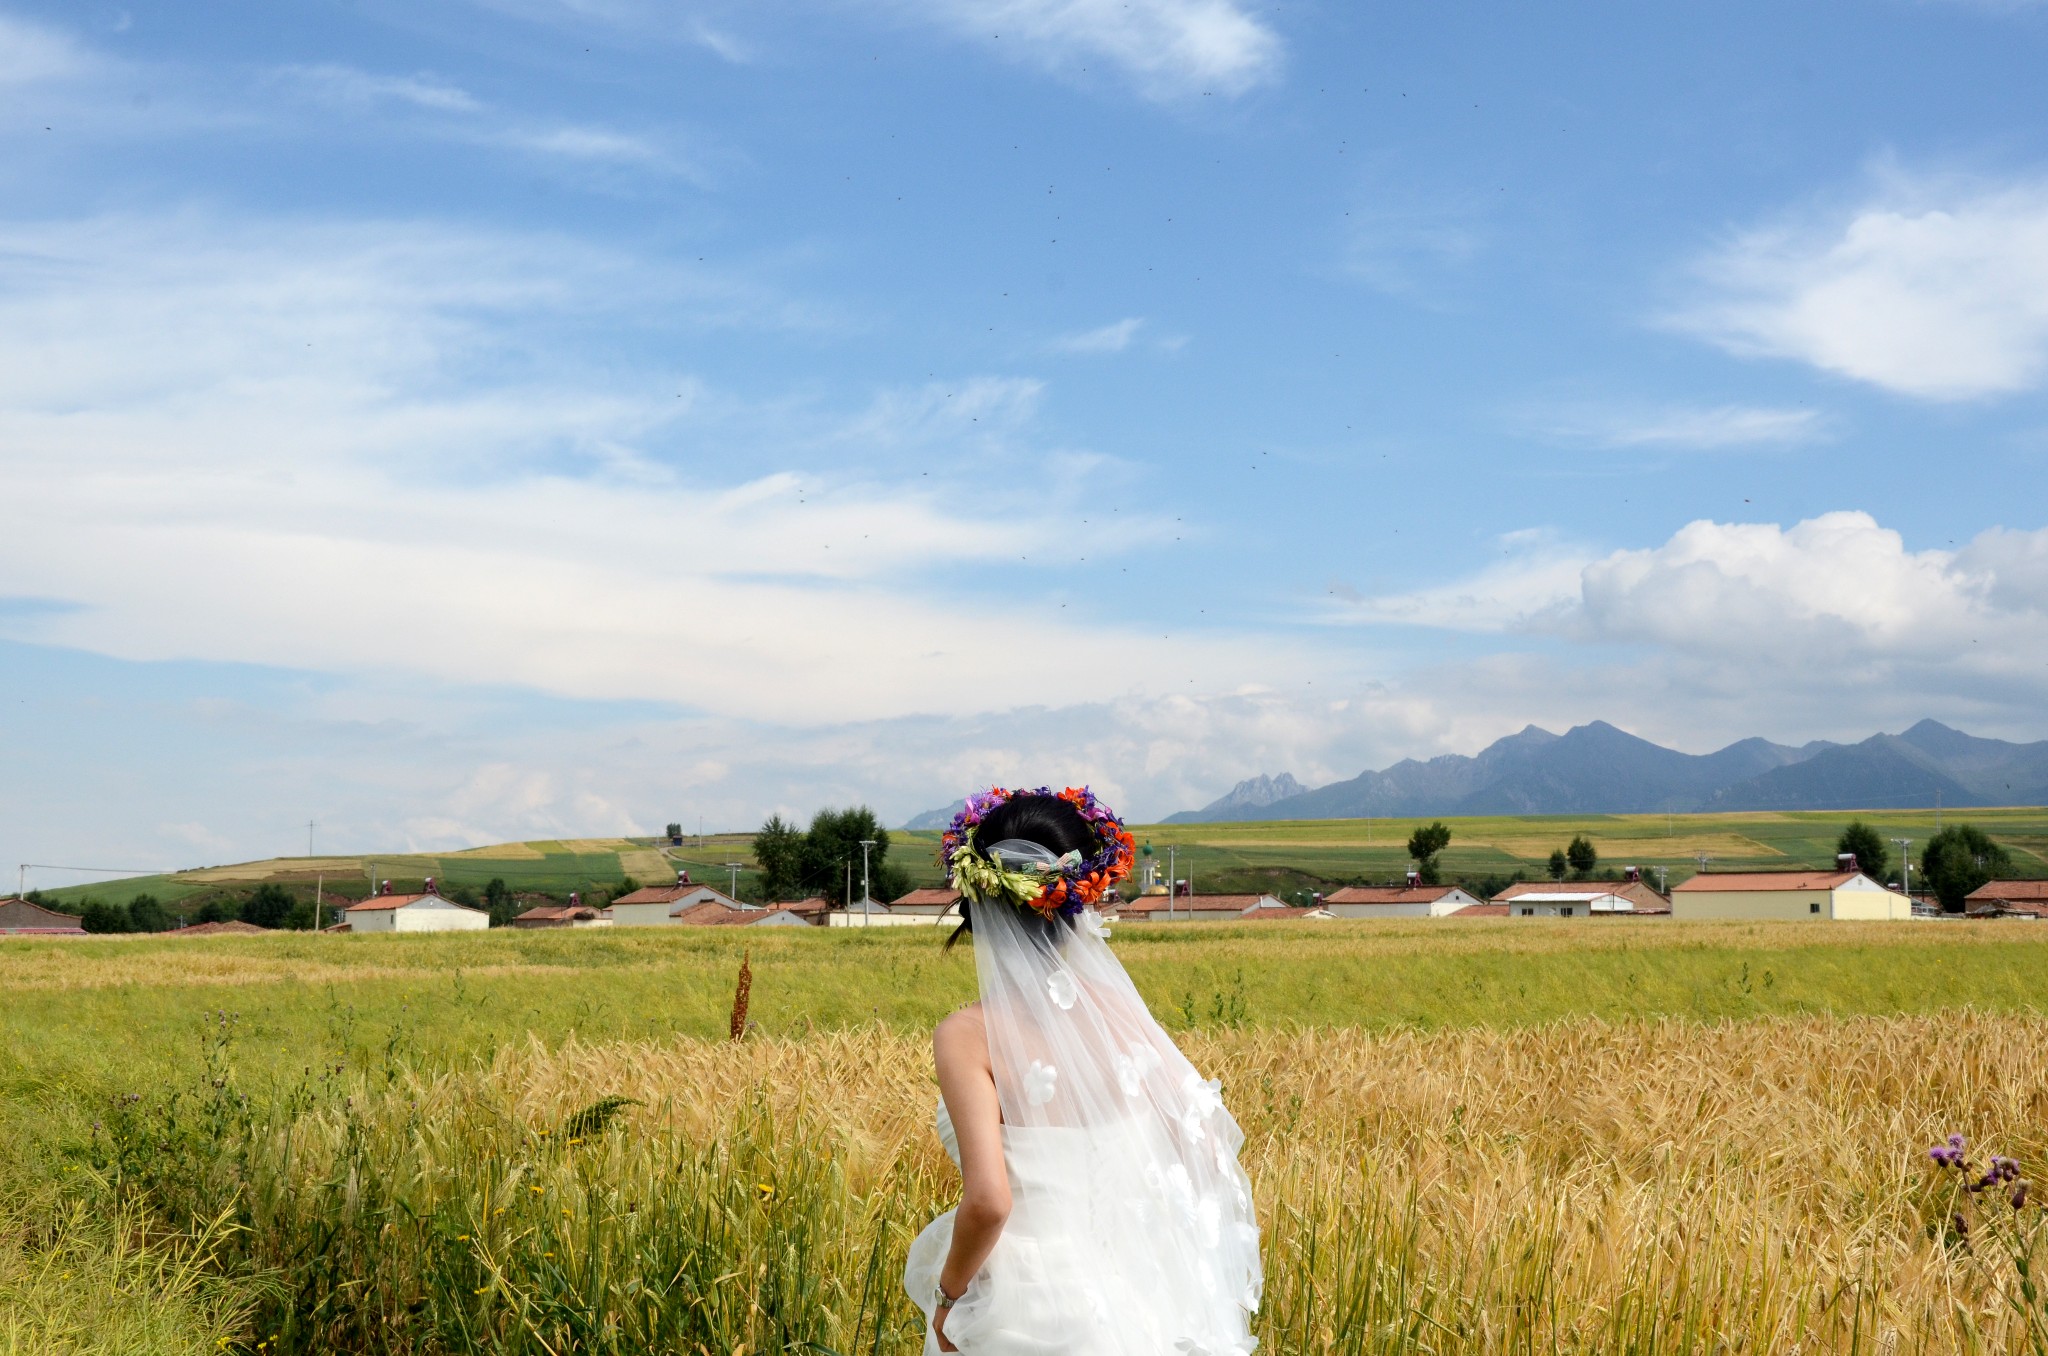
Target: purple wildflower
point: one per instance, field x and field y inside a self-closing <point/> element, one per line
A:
<point x="2019" y="1194"/>
<point x="1958" y="1143"/>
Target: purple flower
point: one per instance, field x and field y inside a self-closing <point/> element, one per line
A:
<point x="1957" y="1142"/>
<point x="2019" y="1194"/>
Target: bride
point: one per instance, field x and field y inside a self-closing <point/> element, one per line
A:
<point x="1102" y="1209"/>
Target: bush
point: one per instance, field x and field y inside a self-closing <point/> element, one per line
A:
<point x="146" y="914"/>
<point x="98" y="916"/>
<point x="269" y="907"/>
<point x="1582" y="855"/>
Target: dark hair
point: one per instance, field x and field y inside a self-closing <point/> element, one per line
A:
<point x="1048" y="821"/>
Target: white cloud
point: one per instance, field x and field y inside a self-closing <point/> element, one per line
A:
<point x="1112" y="338"/>
<point x="1708" y="428"/>
<point x="1930" y="289"/>
<point x="349" y="87"/>
<point x="1169" y="48"/>
<point x="358" y="449"/>
<point x="1837" y="593"/>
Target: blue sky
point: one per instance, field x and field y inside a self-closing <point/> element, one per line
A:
<point x="469" y="421"/>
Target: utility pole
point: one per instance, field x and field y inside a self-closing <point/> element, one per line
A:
<point x="734" y="867"/>
<point x="1703" y="859"/>
<point x="309" y="838"/>
<point x="867" y="893"/>
<point x="1172" y="881"/>
<point x="1905" y="866"/>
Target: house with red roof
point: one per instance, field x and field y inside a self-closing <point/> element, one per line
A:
<point x="1843" y="892"/>
<point x="25" y="918"/>
<point x="1412" y="900"/>
<point x="1193" y="908"/>
<point x="666" y="905"/>
<point x="423" y="912"/>
<point x="2008" y="899"/>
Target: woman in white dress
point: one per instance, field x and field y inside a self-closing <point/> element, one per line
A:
<point x="1102" y="1209"/>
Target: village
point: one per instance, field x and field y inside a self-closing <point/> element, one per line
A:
<point x="1843" y="892"/>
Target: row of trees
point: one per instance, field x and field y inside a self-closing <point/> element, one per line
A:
<point x="798" y="863"/>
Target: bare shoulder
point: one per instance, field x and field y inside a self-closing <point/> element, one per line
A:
<point x="961" y="1035"/>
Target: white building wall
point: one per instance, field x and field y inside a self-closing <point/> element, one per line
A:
<point x="436" y="915"/>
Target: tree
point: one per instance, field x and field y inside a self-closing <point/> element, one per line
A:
<point x="1958" y="860"/>
<point x="1423" y="846"/>
<point x="675" y="832"/>
<point x="215" y="909"/>
<point x="1582" y="855"/>
<point x="1873" y="858"/>
<point x="145" y="914"/>
<point x="779" y="852"/>
<point x="269" y="906"/>
<point x="98" y="916"/>
<point x="498" y="902"/>
<point x="1559" y="864"/>
<point x="833" y="843"/>
<point x="796" y="862"/>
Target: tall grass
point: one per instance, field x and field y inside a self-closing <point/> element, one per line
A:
<point x="1580" y="1187"/>
<point x="82" y="1284"/>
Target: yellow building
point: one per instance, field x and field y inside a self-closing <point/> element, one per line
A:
<point x="1788" y="895"/>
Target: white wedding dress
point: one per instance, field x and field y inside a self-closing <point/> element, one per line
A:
<point x="1131" y="1231"/>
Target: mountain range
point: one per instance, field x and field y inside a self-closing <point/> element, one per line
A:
<point x="1598" y="769"/>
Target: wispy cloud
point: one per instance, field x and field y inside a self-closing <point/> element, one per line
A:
<point x="349" y="87"/>
<point x="1935" y="288"/>
<point x="1170" y="49"/>
<point x="1706" y="428"/>
<point x="448" y="112"/>
<point x="1112" y="338"/>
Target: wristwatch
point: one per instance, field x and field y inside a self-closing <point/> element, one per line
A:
<point x="940" y="1299"/>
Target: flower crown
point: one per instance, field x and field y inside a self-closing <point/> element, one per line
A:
<point x="1064" y="889"/>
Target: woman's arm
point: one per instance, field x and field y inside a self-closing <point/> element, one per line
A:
<point x="960" y="1049"/>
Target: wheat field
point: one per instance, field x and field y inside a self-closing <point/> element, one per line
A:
<point x="1657" y="1187"/>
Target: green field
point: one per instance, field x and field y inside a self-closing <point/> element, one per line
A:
<point x="415" y="1144"/>
<point x="1285" y="857"/>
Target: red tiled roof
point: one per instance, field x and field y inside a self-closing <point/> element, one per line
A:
<point x="748" y="918"/>
<point x="1388" y="894"/>
<point x="1191" y="903"/>
<point x="233" y="927"/>
<point x="931" y="894"/>
<point x="2011" y="891"/>
<point x="1719" y="881"/>
<point x="376" y="903"/>
<point x="815" y="904"/>
<point x="379" y="903"/>
<point x="1481" y="911"/>
<point x="665" y="894"/>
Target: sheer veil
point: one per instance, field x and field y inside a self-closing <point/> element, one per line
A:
<point x="1143" y="1154"/>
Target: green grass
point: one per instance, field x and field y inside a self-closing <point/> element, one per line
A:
<point x="78" y="1012"/>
